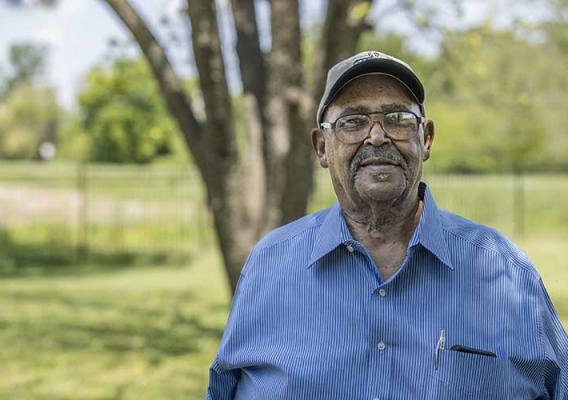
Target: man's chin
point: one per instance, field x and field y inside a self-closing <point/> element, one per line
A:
<point x="379" y="187"/>
<point x="384" y="194"/>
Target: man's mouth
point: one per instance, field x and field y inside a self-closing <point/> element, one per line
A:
<point x="377" y="161"/>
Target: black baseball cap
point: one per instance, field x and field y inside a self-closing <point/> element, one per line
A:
<point x="364" y="63"/>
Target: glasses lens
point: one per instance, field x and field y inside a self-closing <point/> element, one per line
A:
<point x="353" y="128"/>
<point x="400" y="125"/>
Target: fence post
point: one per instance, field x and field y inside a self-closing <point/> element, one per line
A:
<point x="82" y="213"/>
<point x="519" y="202"/>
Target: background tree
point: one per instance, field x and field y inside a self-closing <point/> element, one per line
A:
<point x="497" y="113"/>
<point x="479" y="93"/>
<point x="123" y="115"/>
<point x="27" y="64"/>
<point x="273" y="160"/>
<point x="29" y="114"/>
<point x="266" y="182"/>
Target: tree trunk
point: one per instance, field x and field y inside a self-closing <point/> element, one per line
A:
<point x="252" y="191"/>
<point x="288" y="141"/>
<point x="224" y="176"/>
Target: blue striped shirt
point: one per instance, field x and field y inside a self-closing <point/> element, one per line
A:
<point x="313" y="319"/>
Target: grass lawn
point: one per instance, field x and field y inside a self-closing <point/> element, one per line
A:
<point x="142" y="333"/>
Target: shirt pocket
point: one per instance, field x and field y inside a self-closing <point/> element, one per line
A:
<point x="469" y="376"/>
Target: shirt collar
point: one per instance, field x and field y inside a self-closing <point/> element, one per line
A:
<point x="334" y="232"/>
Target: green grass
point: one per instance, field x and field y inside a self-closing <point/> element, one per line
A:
<point x="140" y="333"/>
<point x="548" y="254"/>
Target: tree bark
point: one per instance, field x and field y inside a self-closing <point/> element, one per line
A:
<point x="224" y="175"/>
<point x="288" y="162"/>
<point x="253" y="69"/>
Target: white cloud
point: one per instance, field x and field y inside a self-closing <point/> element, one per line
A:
<point x="72" y="7"/>
<point x="173" y="7"/>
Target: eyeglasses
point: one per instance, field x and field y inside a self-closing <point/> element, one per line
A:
<point x="354" y="128"/>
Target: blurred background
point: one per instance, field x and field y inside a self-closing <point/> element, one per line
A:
<point x="145" y="146"/>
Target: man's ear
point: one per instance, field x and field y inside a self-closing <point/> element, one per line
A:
<point x="318" y="142"/>
<point x="428" y="139"/>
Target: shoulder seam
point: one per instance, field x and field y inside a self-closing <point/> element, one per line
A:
<point x="268" y="246"/>
<point x="509" y="260"/>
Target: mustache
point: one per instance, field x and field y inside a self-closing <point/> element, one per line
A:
<point x="387" y="152"/>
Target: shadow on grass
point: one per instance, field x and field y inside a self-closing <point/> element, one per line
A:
<point x="157" y="333"/>
<point x="23" y="259"/>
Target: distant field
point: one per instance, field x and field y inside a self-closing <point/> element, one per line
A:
<point x="150" y="331"/>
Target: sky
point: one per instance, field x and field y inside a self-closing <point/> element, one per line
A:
<point x="77" y="33"/>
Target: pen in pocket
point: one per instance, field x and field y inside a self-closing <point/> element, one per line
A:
<point x="439" y="347"/>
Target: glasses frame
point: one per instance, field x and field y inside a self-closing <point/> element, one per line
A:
<point x="331" y="125"/>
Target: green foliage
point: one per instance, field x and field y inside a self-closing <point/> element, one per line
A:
<point x="27" y="61"/>
<point x="124" y="115"/>
<point x="495" y="96"/>
<point x="26" y="66"/>
<point x="493" y="112"/>
<point x="74" y="142"/>
<point x="29" y="115"/>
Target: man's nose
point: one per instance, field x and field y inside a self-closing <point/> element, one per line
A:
<point x="377" y="135"/>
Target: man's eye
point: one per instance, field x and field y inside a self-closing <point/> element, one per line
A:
<point x="400" y="118"/>
<point x="353" y="122"/>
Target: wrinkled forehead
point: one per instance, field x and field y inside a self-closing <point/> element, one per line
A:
<point x="376" y="92"/>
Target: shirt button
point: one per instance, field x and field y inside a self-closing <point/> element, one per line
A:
<point x="350" y="248"/>
<point x="382" y="292"/>
<point x="381" y="346"/>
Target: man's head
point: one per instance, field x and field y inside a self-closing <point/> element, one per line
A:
<point x="372" y="133"/>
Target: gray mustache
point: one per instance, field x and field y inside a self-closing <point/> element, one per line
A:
<point x="386" y="152"/>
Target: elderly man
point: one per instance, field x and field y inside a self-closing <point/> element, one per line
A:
<point x="383" y="295"/>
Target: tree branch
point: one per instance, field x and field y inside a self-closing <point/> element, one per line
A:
<point x="345" y="21"/>
<point x="220" y="140"/>
<point x="289" y="163"/>
<point x="170" y="85"/>
<point x="251" y="59"/>
<point x="252" y="65"/>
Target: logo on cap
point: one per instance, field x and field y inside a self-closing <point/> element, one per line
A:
<point x="368" y="56"/>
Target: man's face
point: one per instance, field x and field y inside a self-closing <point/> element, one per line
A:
<point x="378" y="169"/>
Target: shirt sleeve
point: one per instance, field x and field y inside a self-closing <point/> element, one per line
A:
<point x="222" y="382"/>
<point x="224" y="372"/>
<point x="555" y="342"/>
